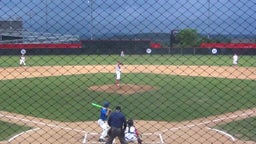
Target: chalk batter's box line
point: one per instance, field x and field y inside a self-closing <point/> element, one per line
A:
<point x="150" y="134"/>
<point x="144" y="141"/>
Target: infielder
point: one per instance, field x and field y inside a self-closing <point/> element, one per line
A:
<point x="235" y="59"/>
<point x="22" y="60"/>
<point x="122" y="54"/>
<point x="118" y="73"/>
<point x="104" y="113"/>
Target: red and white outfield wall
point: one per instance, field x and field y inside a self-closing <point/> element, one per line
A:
<point x="41" y="45"/>
<point x="229" y="45"/>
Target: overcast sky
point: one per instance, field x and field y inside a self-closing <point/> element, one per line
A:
<point x="132" y="16"/>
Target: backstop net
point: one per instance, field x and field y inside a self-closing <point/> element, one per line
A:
<point x="75" y="71"/>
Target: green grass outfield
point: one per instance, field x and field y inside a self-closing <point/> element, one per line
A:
<point x="211" y="60"/>
<point x="177" y="98"/>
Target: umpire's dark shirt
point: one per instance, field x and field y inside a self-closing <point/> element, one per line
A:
<point x="117" y="120"/>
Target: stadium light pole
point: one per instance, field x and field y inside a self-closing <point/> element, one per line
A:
<point x="46" y="14"/>
<point x="208" y="19"/>
<point x="30" y="14"/>
<point x="91" y="19"/>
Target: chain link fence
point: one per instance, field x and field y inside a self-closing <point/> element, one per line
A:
<point x="183" y="71"/>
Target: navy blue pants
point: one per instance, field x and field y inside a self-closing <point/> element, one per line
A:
<point x="116" y="132"/>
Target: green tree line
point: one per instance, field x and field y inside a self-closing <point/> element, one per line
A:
<point x="191" y="38"/>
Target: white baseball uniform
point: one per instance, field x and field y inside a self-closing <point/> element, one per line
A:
<point x="102" y="121"/>
<point x="22" y="60"/>
<point x="122" y="54"/>
<point x="235" y="59"/>
<point x="118" y="71"/>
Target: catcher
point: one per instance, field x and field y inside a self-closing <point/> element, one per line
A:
<point x="131" y="133"/>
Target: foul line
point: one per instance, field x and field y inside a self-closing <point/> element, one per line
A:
<point x="206" y="122"/>
<point x="41" y="123"/>
<point x="211" y="121"/>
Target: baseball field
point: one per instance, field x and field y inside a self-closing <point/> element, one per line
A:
<point x="173" y="99"/>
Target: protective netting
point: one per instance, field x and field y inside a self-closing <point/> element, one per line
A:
<point x="182" y="70"/>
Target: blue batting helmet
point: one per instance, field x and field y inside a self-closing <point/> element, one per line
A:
<point x="106" y="104"/>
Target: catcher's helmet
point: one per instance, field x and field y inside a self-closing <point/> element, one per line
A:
<point x="130" y="122"/>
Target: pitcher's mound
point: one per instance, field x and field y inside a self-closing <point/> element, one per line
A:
<point x="124" y="89"/>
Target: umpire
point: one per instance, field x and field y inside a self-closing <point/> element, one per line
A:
<point x="117" y="122"/>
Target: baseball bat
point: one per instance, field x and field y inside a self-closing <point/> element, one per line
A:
<point x="96" y="105"/>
